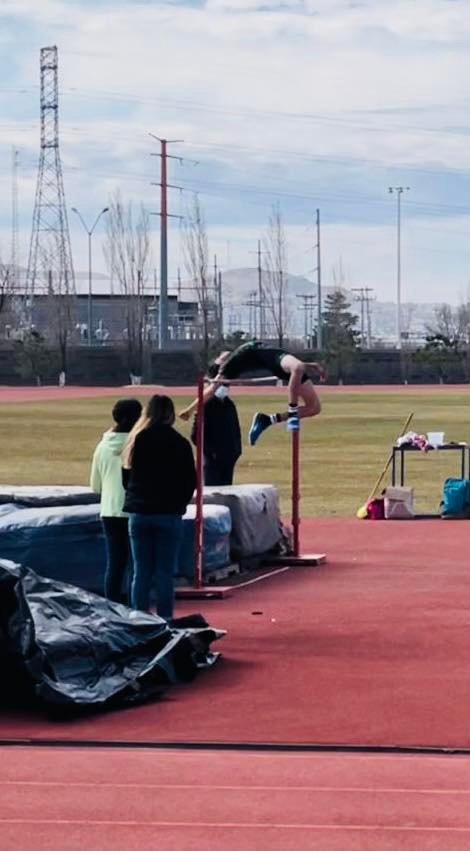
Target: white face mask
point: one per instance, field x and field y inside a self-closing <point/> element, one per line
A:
<point x="222" y="392"/>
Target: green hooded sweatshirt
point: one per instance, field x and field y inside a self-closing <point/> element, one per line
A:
<point x="106" y="475"/>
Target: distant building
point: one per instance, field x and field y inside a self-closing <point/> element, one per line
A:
<point x="110" y="312"/>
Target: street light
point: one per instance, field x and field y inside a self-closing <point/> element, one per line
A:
<point x="399" y="191"/>
<point x="90" y="234"/>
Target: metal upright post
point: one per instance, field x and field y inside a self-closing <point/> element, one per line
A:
<point x="296" y="492"/>
<point x="399" y="190"/>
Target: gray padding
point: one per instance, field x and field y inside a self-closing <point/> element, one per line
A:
<point x="256" y="518"/>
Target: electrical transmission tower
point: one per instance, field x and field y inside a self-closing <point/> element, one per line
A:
<point x="50" y="236"/>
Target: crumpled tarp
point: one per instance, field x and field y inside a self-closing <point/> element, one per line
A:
<point x="67" y="647"/>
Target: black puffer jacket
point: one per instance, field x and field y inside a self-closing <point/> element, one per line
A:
<point x="162" y="477"/>
<point x="222" y="435"/>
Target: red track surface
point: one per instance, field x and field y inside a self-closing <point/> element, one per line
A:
<point x="47" y="394"/>
<point x="62" y="799"/>
<point x="371" y="649"/>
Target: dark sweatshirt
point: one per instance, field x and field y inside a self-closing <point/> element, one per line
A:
<point x="222" y="437"/>
<point x="162" y="478"/>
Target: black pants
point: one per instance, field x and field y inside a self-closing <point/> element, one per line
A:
<point x="117" y="558"/>
<point x="219" y="470"/>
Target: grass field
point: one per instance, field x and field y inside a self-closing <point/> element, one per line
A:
<point x="342" y="450"/>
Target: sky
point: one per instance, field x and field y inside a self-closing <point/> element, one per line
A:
<point x="303" y="103"/>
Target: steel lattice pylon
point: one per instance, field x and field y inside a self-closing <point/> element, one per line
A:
<point x="50" y="231"/>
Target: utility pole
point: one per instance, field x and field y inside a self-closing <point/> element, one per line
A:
<point x="368" y="299"/>
<point x="218" y="299"/>
<point x="308" y="304"/>
<point x="216" y="295"/>
<point x="261" y="300"/>
<point x="262" y="323"/>
<point x="319" y="293"/>
<point x="13" y="271"/>
<point x="164" y="216"/>
<point x="253" y="306"/>
<point x="363" y="296"/>
<point x="220" y="304"/>
<point x="360" y="298"/>
<point x="399" y="190"/>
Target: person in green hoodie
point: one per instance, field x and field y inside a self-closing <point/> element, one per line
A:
<point x="106" y="479"/>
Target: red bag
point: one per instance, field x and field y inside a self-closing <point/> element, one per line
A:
<point x="376" y="509"/>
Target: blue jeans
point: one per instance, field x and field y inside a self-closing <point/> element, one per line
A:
<point x="155" y="544"/>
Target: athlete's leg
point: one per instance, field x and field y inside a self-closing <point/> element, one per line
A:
<point x="311" y="406"/>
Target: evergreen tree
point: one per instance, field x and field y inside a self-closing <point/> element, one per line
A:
<point x="341" y="339"/>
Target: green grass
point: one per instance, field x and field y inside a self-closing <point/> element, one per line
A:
<point x="343" y="450"/>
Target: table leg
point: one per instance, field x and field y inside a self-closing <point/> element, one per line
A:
<point x="402" y="467"/>
<point x="394" y="467"/>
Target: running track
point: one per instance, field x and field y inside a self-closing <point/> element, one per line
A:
<point x="371" y="651"/>
<point x="46" y="394"/>
<point x="180" y="800"/>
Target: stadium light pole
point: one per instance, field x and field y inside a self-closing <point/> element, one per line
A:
<point x="90" y="231"/>
<point x="399" y="190"/>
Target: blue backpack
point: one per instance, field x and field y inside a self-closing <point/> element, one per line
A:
<point x="456" y="499"/>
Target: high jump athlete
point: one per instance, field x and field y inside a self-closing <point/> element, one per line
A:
<point x="253" y="356"/>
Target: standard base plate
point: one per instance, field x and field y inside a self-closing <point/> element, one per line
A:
<point x="305" y="560"/>
<point x="207" y="592"/>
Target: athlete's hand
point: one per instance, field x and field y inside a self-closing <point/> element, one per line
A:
<point x="184" y="415"/>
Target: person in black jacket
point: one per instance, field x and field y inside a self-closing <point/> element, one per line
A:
<point x="222" y="438"/>
<point x="159" y="476"/>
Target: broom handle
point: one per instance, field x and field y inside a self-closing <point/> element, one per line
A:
<point x="385" y="469"/>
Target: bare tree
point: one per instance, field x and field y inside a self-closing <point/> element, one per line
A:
<point x="128" y="255"/>
<point x="196" y="260"/>
<point x="275" y="288"/>
<point x="61" y="303"/>
<point x="445" y="323"/>
<point x="448" y="337"/>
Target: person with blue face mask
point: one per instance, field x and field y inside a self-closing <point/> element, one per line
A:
<point x="222" y="438"/>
